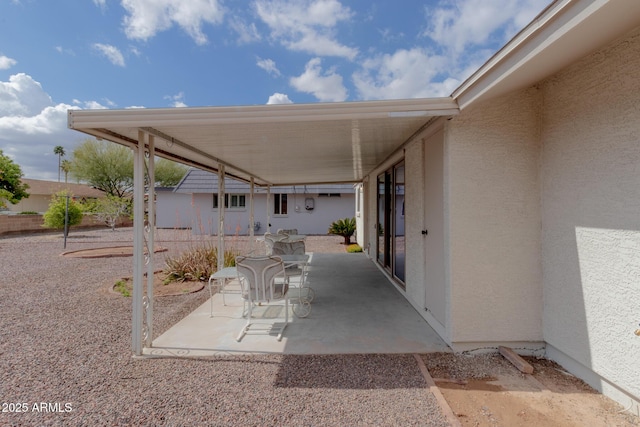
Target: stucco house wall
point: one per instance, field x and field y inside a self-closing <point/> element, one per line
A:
<point x="173" y="210"/>
<point x="316" y="221"/>
<point x="492" y="153"/>
<point x="591" y="217"/>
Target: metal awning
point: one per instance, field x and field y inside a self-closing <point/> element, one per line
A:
<point x="275" y="144"/>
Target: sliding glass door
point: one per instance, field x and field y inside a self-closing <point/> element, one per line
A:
<point x="391" y="239"/>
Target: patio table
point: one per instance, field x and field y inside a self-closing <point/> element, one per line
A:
<point x="219" y="279"/>
<point x="302" y="304"/>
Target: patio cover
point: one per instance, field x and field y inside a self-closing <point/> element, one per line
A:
<point x="275" y="144"/>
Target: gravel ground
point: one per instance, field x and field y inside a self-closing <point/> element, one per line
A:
<point x="65" y="356"/>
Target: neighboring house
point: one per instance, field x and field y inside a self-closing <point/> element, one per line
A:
<point x="194" y="204"/>
<point x="521" y="190"/>
<point x="40" y="193"/>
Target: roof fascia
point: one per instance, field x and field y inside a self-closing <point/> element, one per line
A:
<point x="553" y="24"/>
<point x="193" y="116"/>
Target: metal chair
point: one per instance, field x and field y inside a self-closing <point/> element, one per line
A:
<point x="263" y="281"/>
<point x="270" y="239"/>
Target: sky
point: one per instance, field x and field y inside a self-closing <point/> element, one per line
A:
<point x="89" y="54"/>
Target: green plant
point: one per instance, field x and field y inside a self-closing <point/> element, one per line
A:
<point x="354" y="248"/>
<point x="110" y="208"/>
<point x="121" y="287"/>
<point x="197" y="263"/>
<point x="54" y="216"/>
<point x="28" y="213"/>
<point x="343" y="227"/>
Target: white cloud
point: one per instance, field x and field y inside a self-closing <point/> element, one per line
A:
<point x="112" y="53"/>
<point x="148" y="17"/>
<point x="307" y="25"/>
<point x="177" y="100"/>
<point x="102" y="4"/>
<point x="466" y="33"/>
<point x="404" y="74"/>
<point x="31" y="125"/>
<point x="6" y="62"/>
<point x="468" y="23"/>
<point x="279" y="98"/>
<point x="62" y="50"/>
<point x="22" y="96"/>
<point x="327" y="86"/>
<point x="269" y="66"/>
<point x="247" y="33"/>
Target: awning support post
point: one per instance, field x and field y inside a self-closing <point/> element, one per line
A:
<point x="221" y="206"/>
<point x="137" y="331"/>
<point x="150" y="230"/>
<point x="251" y="217"/>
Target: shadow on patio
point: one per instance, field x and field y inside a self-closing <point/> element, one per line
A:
<point x="355" y="310"/>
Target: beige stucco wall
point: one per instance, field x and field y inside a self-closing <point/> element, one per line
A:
<point x="591" y="215"/>
<point x="491" y="156"/>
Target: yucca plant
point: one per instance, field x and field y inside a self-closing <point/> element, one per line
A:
<point x="343" y="227"/>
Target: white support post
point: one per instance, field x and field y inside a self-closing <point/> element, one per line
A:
<point x="251" y="218"/>
<point x="151" y="228"/>
<point x="221" y="197"/>
<point x="138" y="245"/>
<point x="268" y="209"/>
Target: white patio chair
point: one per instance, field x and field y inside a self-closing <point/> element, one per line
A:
<point x="270" y="239"/>
<point x="302" y="294"/>
<point x="290" y="231"/>
<point x="263" y="281"/>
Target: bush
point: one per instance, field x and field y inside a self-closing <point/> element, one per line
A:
<point x="54" y="216"/>
<point x="197" y="263"/>
<point x="354" y="248"/>
<point x="343" y="227"/>
<point x="28" y="213"/>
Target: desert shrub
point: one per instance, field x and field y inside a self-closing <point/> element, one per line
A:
<point x="354" y="248"/>
<point x="197" y="263"/>
<point x="343" y="227"/>
<point x="28" y="213"/>
<point x="54" y="216"/>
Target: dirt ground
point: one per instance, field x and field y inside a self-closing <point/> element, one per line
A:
<point x="487" y="390"/>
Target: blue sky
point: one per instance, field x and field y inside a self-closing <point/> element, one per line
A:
<point x="62" y="54"/>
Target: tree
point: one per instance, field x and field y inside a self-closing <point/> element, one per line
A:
<point x="12" y="189"/>
<point x="104" y="165"/>
<point x="59" y="151"/>
<point x="109" y="167"/>
<point x="110" y="208"/>
<point x="54" y="216"/>
<point x="343" y="227"/>
<point x="169" y="173"/>
<point x="65" y="166"/>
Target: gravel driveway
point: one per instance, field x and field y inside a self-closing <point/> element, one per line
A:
<point x="65" y="355"/>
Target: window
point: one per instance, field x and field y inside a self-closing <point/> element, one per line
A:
<point x="231" y="201"/>
<point x="328" y="194"/>
<point x="280" y="204"/>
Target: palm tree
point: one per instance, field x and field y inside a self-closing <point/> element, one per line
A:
<point x="59" y="151"/>
<point x="65" y="166"/>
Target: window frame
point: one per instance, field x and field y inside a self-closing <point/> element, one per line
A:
<point x="280" y="204"/>
<point x="229" y="198"/>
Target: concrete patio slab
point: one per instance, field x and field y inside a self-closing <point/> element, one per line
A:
<point x="356" y="310"/>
